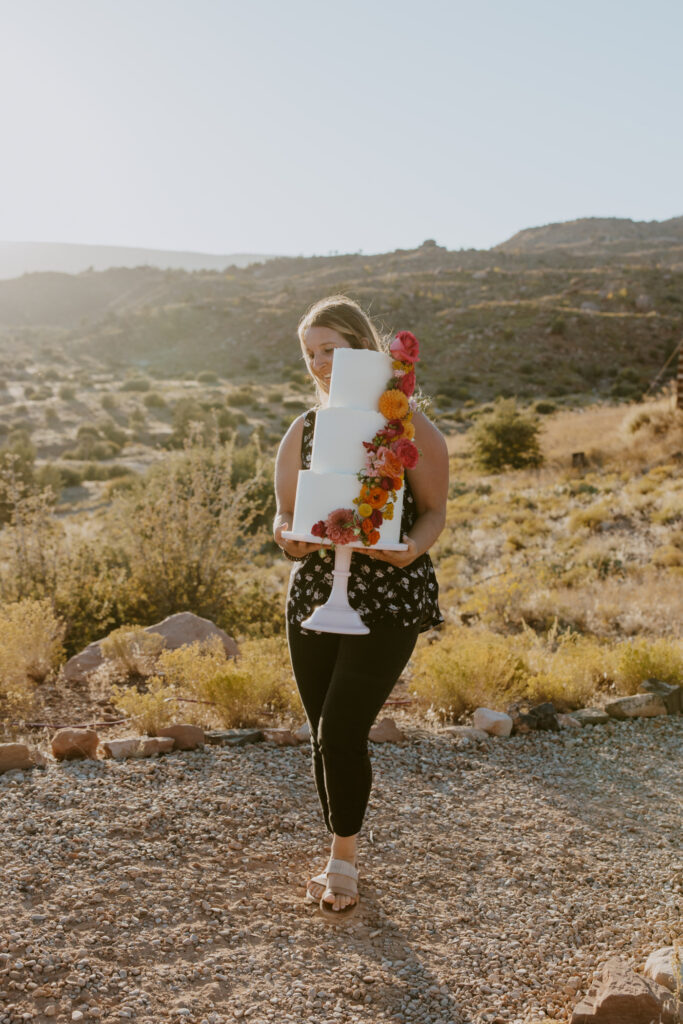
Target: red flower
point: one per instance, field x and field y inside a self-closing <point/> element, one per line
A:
<point x="392" y="429"/>
<point x="377" y="518"/>
<point x="386" y="483"/>
<point x="405" y="347"/>
<point x="407" y="383"/>
<point x="319" y="529"/>
<point x="406" y="452"/>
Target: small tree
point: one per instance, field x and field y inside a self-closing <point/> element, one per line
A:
<point x="506" y="438"/>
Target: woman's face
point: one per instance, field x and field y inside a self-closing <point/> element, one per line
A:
<point x="319" y="346"/>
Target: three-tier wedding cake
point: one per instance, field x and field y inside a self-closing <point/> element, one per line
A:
<point x="343" y="430"/>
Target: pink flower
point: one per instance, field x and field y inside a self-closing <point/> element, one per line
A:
<point x="340" y="526"/>
<point x="318" y="529"/>
<point x="407" y="452"/>
<point x="405" y="347"/>
<point x="407" y="383"/>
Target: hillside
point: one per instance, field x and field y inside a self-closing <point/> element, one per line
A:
<point x="17" y="258"/>
<point x="596" y="234"/>
<point x="553" y="323"/>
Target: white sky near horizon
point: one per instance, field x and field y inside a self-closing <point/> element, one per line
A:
<point x="308" y="128"/>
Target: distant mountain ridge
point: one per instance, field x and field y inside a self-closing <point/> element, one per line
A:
<point x="17" y="258"/>
<point x="594" y="233"/>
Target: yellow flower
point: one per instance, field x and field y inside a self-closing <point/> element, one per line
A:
<point x="409" y="431"/>
<point x="365" y="510"/>
<point x="388" y="511"/>
<point x="393" y="404"/>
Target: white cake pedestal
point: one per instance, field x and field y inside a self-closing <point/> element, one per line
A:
<point x="337" y="615"/>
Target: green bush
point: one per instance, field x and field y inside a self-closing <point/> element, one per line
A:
<point x="207" y="377"/>
<point x="545" y="408"/>
<point x="153" y="400"/>
<point x="505" y="438"/>
<point x="136" y="384"/>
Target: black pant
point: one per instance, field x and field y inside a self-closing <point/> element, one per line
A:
<point x="343" y="682"/>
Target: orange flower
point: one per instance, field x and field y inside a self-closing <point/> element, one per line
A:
<point x="374" y="496"/>
<point x="364" y="510"/>
<point x="367" y="526"/>
<point x="393" y="404"/>
<point x="390" y="465"/>
<point x="398" y="483"/>
<point x="373" y="537"/>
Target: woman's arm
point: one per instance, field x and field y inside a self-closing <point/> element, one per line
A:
<point x="429" y="484"/>
<point x="287" y="466"/>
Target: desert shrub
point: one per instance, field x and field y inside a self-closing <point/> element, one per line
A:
<point x="564" y="667"/>
<point x="211" y="687"/>
<point x="644" y="658"/>
<point x="108" y="401"/>
<point x="153" y="400"/>
<point x="590" y="518"/>
<point x="185" y="533"/>
<point x="151" y="709"/>
<point x="111" y="431"/>
<point x="136" y="384"/>
<point x="132" y="650"/>
<point x="186" y="412"/>
<point x="558" y="325"/>
<point x="31" y="649"/>
<point x="69" y="475"/>
<point x="544" y="408"/>
<point x="241" y="396"/>
<point x="505" y="437"/>
<point x="67" y="392"/>
<point x="207" y="377"/>
<point x="95" y="471"/>
<point x="465" y="668"/>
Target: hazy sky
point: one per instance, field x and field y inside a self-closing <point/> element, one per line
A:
<point x="308" y="127"/>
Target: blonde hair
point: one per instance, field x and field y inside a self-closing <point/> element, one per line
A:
<point x="345" y="316"/>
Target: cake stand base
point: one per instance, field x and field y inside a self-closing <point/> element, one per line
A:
<point x="337" y="615"/>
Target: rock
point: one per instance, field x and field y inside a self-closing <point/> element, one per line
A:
<point x="495" y="723"/>
<point x="465" y="732"/>
<point x="186" y="628"/>
<point x="641" y="705"/>
<point x="20" y="756"/>
<point x="185" y="737"/>
<point x="138" y="746"/>
<point x="590" y="716"/>
<point x="526" y="718"/>
<point x="177" y="630"/>
<point x="665" y="967"/>
<point x="386" y="731"/>
<point x="233" y="737"/>
<point x="569" y="722"/>
<point x="283" y="737"/>
<point x="50" y="1010"/>
<point x="303" y="733"/>
<point x="669" y="692"/>
<point x="70" y="744"/>
<point x="620" y="996"/>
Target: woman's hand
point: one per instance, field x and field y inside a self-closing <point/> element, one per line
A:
<point x="295" y="548"/>
<point x="398" y="558"/>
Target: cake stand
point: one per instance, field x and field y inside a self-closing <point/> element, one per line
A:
<point x="337" y="615"/>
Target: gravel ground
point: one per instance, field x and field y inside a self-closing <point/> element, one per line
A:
<point x="495" y="879"/>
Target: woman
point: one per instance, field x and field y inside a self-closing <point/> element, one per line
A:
<point x="343" y="681"/>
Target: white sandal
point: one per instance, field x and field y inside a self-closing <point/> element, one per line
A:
<point x="341" y="879"/>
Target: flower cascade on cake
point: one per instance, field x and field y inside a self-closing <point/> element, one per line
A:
<point x="390" y="452"/>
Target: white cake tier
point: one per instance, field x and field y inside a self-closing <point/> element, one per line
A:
<point x="318" y="494"/>
<point x="359" y="377"/>
<point x="338" y="439"/>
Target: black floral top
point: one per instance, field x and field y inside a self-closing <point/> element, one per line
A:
<point x="378" y="591"/>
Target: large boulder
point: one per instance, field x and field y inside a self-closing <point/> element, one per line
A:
<point x="620" y="996"/>
<point x="670" y="693"/>
<point x="20" y="756"/>
<point x="386" y="731"/>
<point x="177" y="631"/>
<point x="665" y="966"/>
<point x="71" y="744"/>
